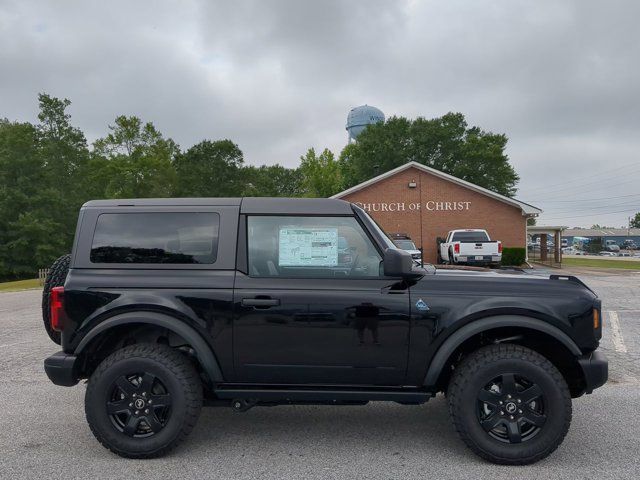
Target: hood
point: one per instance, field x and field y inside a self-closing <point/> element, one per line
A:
<point x="510" y="279"/>
<point x="489" y="273"/>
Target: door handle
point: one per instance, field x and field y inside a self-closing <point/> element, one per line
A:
<point x="260" y="302"/>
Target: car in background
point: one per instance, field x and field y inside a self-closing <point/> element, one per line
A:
<point x="629" y="245"/>
<point x="605" y="253"/>
<point x="471" y="246"/>
<point x="404" y="242"/>
<point x="611" y="246"/>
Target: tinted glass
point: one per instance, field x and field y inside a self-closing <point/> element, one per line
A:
<point x="470" y="237"/>
<point x="405" y="244"/>
<point x="311" y="247"/>
<point x="156" y="238"/>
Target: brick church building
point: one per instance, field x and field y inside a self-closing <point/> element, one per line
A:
<point x="425" y="204"/>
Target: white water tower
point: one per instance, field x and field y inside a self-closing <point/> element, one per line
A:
<point x="360" y="117"/>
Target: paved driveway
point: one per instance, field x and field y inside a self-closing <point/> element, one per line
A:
<point x="43" y="433"/>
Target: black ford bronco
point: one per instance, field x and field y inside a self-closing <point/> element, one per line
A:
<point x="168" y="305"/>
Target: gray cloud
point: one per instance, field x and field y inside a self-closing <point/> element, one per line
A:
<point x="559" y="78"/>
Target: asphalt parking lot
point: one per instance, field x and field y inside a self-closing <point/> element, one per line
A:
<point x="43" y="433"/>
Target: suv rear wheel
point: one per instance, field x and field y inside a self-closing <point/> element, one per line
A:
<point x="509" y="404"/>
<point x="143" y="400"/>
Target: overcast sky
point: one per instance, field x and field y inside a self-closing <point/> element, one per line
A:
<point x="561" y="79"/>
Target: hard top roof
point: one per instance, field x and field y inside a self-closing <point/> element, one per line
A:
<point x="248" y="205"/>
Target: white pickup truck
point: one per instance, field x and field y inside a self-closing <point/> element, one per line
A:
<point x="470" y="247"/>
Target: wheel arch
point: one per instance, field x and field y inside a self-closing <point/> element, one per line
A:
<point x="134" y="320"/>
<point x="533" y="333"/>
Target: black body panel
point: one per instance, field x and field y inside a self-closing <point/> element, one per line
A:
<point x="456" y="298"/>
<point x="201" y="299"/>
<point x="321" y="331"/>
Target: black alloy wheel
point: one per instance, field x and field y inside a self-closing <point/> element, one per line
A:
<point x="139" y="404"/>
<point x="509" y="404"/>
<point x="143" y="400"/>
<point x="511" y="408"/>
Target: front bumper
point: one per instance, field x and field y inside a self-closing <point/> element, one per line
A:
<point x="595" y="368"/>
<point x="62" y="369"/>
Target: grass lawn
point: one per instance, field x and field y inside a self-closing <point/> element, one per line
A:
<point x="600" y="263"/>
<point x="19" y="285"/>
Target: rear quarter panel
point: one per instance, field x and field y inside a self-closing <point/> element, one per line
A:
<point x="199" y="295"/>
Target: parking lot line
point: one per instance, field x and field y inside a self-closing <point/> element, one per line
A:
<point x="616" y="333"/>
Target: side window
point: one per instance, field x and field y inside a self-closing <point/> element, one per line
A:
<point x="310" y="247"/>
<point x="156" y="238"/>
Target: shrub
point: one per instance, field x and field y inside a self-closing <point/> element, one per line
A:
<point x="513" y="256"/>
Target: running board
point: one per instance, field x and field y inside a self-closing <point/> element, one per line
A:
<point x="287" y="395"/>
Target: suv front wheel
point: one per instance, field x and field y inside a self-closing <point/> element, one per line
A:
<point x="509" y="404"/>
<point x="143" y="400"/>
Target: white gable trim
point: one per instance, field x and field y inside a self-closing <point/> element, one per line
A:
<point x="527" y="210"/>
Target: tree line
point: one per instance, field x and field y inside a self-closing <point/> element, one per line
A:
<point x="48" y="170"/>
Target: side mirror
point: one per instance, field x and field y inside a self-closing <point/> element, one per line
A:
<point x="397" y="263"/>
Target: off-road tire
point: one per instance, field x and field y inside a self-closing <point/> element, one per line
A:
<point x="55" y="278"/>
<point x="174" y="370"/>
<point x="478" y="369"/>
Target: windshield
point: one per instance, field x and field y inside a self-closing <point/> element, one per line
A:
<point x="405" y="244"/>
<point x="470" y="237"/>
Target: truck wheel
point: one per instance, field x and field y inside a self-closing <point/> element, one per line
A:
<point x="509" y="404"/>
<point x="55" y="278"/>
<point x="143" y="400"/>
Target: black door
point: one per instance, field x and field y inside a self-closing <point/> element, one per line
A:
<point x="324" y="317"/>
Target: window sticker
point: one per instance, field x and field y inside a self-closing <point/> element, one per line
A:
<point x="315" y="247"/>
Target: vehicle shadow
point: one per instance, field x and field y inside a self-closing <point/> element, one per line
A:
<point x="338" y="430"/>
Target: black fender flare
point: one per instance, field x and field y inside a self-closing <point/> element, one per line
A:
<point x="456" y="339"/>
<point x="203" y="351"/>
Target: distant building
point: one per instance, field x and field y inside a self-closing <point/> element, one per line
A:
<point x="619" y="235"/>
<point x="425" y="204"/>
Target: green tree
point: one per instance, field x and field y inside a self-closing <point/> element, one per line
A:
<point x="271" y="181"/>
<point x="134" y="160"/>
<point x="209" y="169"/>
<point x="635" y="221"/>
<point x="21" y="178"/>
<point x="321" y="174"/>
<point x="446" y="143"/>
<point x="40" y="188"/>
<point x="64" y="156"/>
